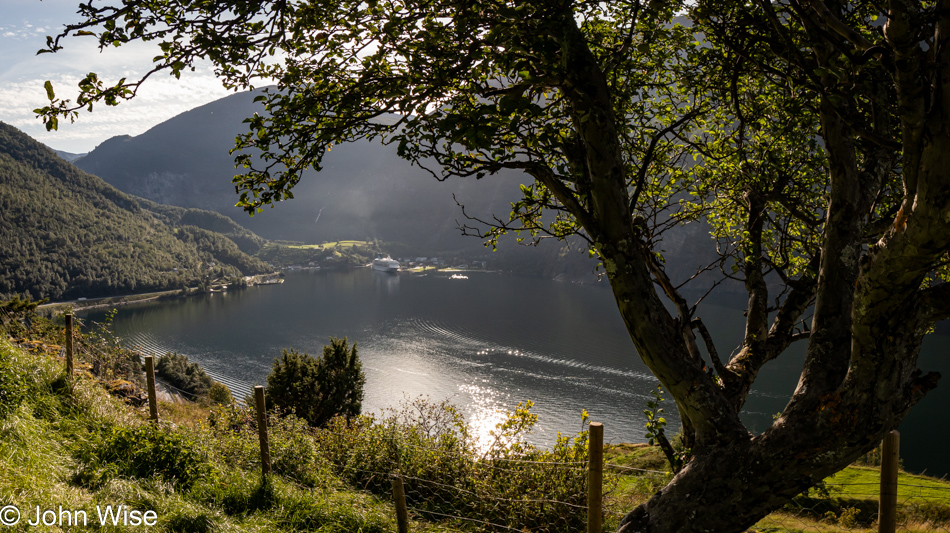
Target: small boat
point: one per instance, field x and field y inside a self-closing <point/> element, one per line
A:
<point x="458" y="276"/>
<point x="385" y="264"/>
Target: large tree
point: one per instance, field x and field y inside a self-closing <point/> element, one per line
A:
<point x="818" y="134"/>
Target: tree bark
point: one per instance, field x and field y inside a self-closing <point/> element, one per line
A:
<point x="731" y="488"/>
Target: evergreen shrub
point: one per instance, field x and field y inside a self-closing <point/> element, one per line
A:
<point x="317" y="389"/>
<point x="181" y="373"/>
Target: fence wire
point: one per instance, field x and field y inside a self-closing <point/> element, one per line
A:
<point x="512" y="486"/>
<point x="447" y="479"/>
<point x="923" y="505"/>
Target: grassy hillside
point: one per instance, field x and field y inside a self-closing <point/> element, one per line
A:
<point x="199" y="470"/>
<point x="80" y="446"/>
<point x="339" y="253"/>
<point x="67" y="234"/>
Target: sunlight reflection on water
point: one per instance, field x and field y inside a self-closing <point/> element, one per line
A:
<point x="485" y="412"/>
<point x="485" y="343"/>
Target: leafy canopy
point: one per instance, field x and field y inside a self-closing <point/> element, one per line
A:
<point x="818" y="139"/>
<point x="462" y="89"/>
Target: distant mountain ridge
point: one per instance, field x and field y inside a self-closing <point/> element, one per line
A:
<point x="68" y="156"/>
<point x="67" y="234"/>
<point x="364" y="191"/>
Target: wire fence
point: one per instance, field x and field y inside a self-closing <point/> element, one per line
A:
<point x="450" y="480"/>
<point x="854" y="507"/>
<point x="447" y="479"/>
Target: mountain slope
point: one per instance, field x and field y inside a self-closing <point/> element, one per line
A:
<point x="363" y="192"/>
<point x="67" y="234"/>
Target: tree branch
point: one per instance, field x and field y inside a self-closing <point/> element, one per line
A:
<point x="837" y="25"/>
<point x="710" y="346"/>
<point x="934" y="304"/>
<point x="648" y="157"/>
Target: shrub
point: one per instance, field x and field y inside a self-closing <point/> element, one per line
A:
<point x="294" y="454"/>
<point x="181" y="373"/>
<point x="318" y="389"/>
<point x="447" y="472"/>
<point x="235" y="430"/>
<point x="220" y="394"/>
<point x="849" y="517"/>
<point x="16" y="315"/>
<point x="143" y="452"/>
<point x="107" y="354"/>
<point x="937" y="514"/>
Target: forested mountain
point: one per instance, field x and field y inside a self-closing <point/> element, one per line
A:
<point x="67" y="234"/>
<point x="68" y="156"/>
<point x="364" y="192"/>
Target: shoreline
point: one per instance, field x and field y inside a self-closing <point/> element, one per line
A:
<point x="126" y="299"/>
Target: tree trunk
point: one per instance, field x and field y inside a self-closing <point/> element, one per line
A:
<point x="730" y="488"/>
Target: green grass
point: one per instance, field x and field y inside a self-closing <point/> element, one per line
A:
<point x="864" y="482"/>
<point x="58" y="442"/>
<point x="73" y="445"/>
<point x="328" y="245"/>
<point x="338" y="253"/>
<point x="850" y="505"/>
<point x="51" y="442"/>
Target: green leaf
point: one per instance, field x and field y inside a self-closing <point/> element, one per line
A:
<point x="49" y="90"/>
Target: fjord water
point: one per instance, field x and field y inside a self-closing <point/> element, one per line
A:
<point x="484" y="343"/>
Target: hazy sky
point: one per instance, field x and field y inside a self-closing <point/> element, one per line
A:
<point x="24" y="25"/>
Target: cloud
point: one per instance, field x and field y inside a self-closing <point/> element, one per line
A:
<point x="160" y="98"/>
<point x="156" y="102"/>
<point x="23" y="72"/>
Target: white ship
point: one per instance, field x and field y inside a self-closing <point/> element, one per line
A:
<point x="385" y="264"/>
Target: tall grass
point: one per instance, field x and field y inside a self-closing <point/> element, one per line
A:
<point x="447" y="474"/>
<point x="73" y="445"/>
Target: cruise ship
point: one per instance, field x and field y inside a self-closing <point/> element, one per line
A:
<point x="385" y="264"/>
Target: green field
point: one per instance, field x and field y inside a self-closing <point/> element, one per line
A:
<point x="329" y="245"/>
<point x="849" y="501"/>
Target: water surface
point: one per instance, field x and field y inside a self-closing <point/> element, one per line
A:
<point x="485" y="343"/>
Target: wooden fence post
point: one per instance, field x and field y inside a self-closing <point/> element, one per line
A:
<point x="399" y="497"/>
<point x="150" y="382"/>
<point x="262" y="429"/>
<point x="69" y="347"/>
<point x="890" y="456"/>
<point x="595" y="478"/>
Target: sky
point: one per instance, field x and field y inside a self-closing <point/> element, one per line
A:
<point x="24" y="25"/>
